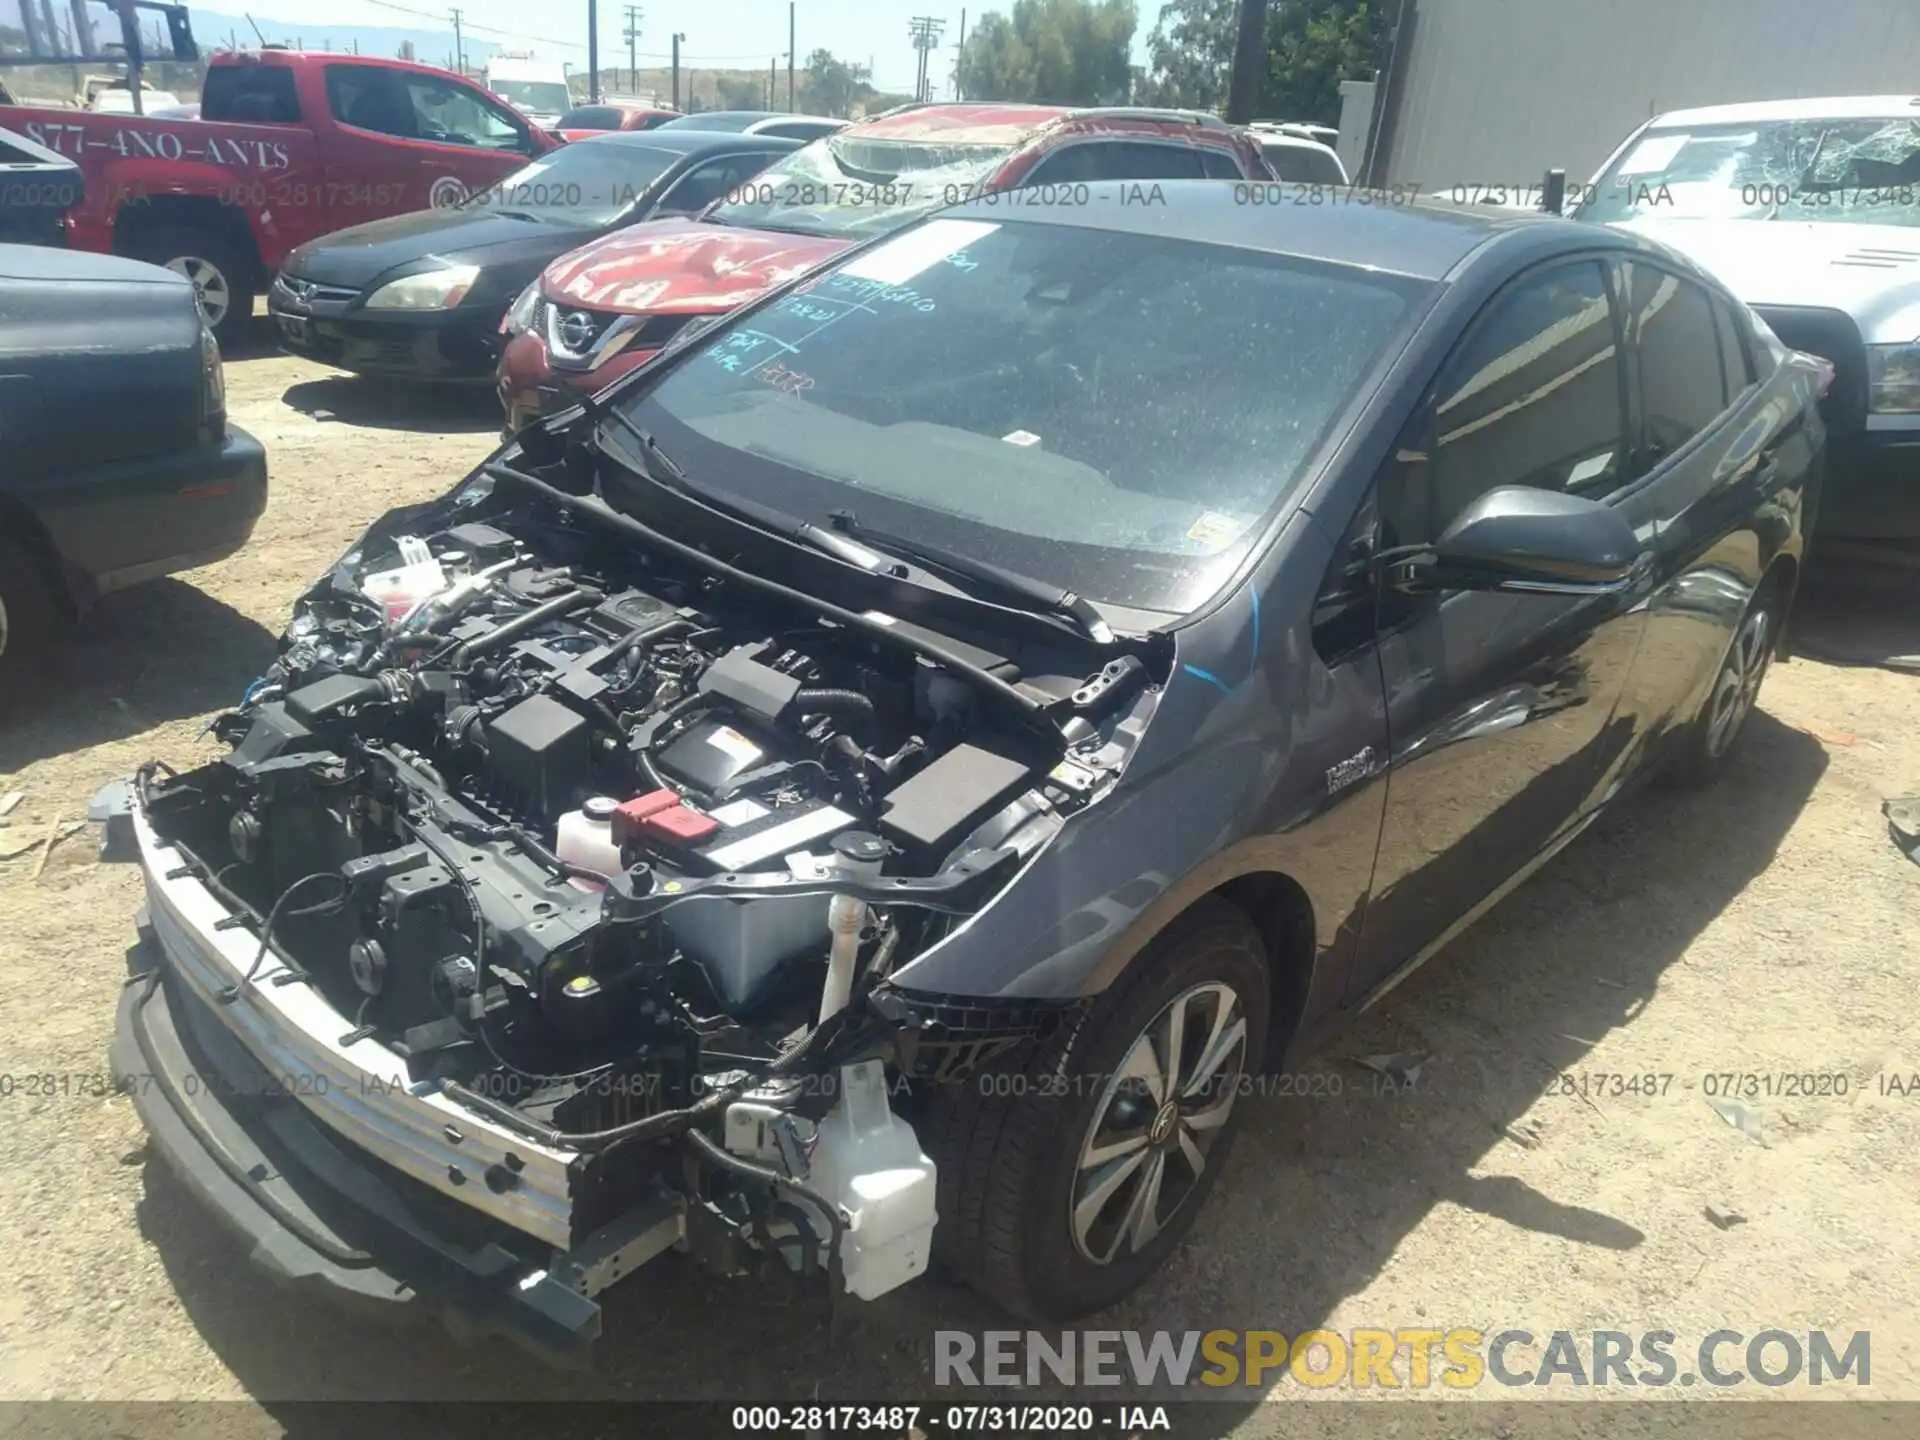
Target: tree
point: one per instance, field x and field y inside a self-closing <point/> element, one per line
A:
<point x="406" y="50"/>
<point x="1190" y="53"/>
<point x="737" y="93"/>
<point x="1059" y="52"/>
<point x="1312" y="45"/>
<point x="831" y="85"/>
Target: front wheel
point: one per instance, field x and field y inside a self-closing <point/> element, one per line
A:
<point x="28" y="614"/>
<point x="1066" y="1182"/>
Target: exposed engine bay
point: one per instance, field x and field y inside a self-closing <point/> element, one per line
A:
<point x="614" y="849"/>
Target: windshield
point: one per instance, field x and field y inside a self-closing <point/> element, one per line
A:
<point x="848" y="185"/>
<point x="1859" y="171"/>
<point x="1118" y="414"/>
<point x="591" y="182"/>
<point x="536" y="97"/>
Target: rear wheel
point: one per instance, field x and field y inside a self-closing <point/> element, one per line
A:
<point x="28" y="613"/>
<point x="1066" y="1182"/>
<point x="1736" y="688"/>
<point x="216" y="271"/>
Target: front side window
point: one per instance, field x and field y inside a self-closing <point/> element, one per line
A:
<point x="1682" y="377"/>
<point x="706" y="183"/>
<point x="592" y="182"/>
<point x="454" y="115"/>
<point x="1854" y="171"/>
<point x="1119" y="414"/>
<point x="1532" y="396"/>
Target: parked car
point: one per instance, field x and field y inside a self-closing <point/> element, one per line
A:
<point x="421" y="297"/>
<point x="612" y="114"/>
<point x="37" y="188"/>
<point x="289" y="145"/>
<point x="1810" y="211"/>
<point x="1298" y="160"/>
<point x="758" y="122"/>
<point x="624" y="297"/>
<point x="86" y="507"/>
<point x="908" y="902"/>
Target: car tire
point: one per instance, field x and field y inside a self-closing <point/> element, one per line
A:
<point x="28" y="614"/>
<point x="220" y="279"/>
<point x="1029" y="1214"/>
<point x="1714" y="733"/>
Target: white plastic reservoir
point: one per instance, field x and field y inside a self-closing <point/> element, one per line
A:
<point x="869" y="1160"/>
<point x="585" y="838"/>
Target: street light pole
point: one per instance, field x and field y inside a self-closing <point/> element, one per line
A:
<point x="790" y="33"/>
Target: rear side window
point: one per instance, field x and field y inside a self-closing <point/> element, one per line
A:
<point x="1219" y="165"/>
<point x="1532" y="396"/>
<point x="250" y="95"/>
<point x="1303" y="165"/>
<point x="1735" y="355"/>
<point x="367" y="99"/>
<point x="1117" y="160"/>
<point x="1683" y="386"/>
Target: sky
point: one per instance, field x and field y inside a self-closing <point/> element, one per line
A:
<point x="720" y="33"/>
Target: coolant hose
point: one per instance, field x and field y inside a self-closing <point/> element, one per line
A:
<point x="727" y="1160"/>
<point x="828" y="701"/>
<point x="527" y="620"/>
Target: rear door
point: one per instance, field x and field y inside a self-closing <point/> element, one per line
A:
<point x="428" y="137"/>
<point x="1709" y="465"/>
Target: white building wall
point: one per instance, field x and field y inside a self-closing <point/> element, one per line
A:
<point x="1497" y="91"/>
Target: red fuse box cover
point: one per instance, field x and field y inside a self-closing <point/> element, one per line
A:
<point x="679" y="824"/>
<point x="627" y="818"/>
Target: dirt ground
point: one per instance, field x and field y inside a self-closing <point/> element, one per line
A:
<point x="1766" y="928"/>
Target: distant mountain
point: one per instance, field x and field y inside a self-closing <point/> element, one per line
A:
<point x="431" y="47"/>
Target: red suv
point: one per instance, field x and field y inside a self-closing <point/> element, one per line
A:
<point x="601" y="310"/>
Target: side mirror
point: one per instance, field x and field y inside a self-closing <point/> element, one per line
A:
<point x="1517" y="538"/>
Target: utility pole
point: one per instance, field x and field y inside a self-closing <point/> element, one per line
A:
<point x="924" y="32"/>
<point x="676" y="69"/>
<point x="459" y="47"/>
<point x="790" y="33"/>
<point x="593" y="51"/>
<point x="632" y="34"/>
<point x="1249" y="62"/>
<point x="960" y="61"/>
<point x="773" y="78"/>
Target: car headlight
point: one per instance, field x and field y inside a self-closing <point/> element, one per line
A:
<point x="1893" y="379"/>
<point x="520" y="314"/>
<point x="435" y="290"/>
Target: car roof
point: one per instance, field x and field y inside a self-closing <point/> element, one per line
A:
<point x="1272" y="140"/>
<point x="694" y="117"/>
<point x="1831" y="107"/>
<point x="1424" y="239"/>
<point x="690" y="142"/>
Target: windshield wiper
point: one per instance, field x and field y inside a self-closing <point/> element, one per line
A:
<point x="1023" y="590"/>
<point x="659" y="468"/>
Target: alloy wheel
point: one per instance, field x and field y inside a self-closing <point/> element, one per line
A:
<point x="1738" y="685"/>
<point x="210" y="289"/>
<point x="1156" y="1123"/>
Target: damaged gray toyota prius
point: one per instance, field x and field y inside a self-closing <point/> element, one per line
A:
<point x="877" y="783"/>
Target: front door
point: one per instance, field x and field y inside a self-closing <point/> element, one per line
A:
<point x="1498" y="704"/>
<point x="429" y="138"/>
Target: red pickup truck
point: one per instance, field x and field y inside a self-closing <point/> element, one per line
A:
<point x="289" y="146"/>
